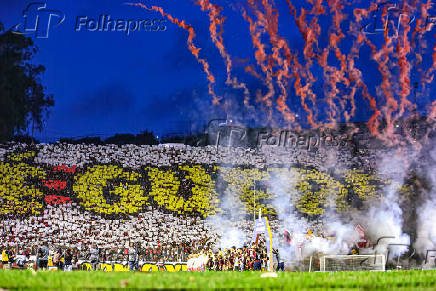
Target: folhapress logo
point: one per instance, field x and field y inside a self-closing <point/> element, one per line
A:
<point x="388" y="14"/>
<point x="106" y="23"/>
<point x="38" y="20"/>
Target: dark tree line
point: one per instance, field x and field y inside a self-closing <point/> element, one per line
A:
<point x="23" y="102"/>
<point x="143" y="138"/>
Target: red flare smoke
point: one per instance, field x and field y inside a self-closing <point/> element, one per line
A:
<point x="261" y="58"/>
<point x="403" y="49"/>
<point x="280" y="65"/>
<point x="310" y="35"/>
<point x="284" y="71"/>
<point x="216" y="19"/>
<point x="194" y="50"/>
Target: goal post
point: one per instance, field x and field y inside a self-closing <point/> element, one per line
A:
<point x="335" y="263"/>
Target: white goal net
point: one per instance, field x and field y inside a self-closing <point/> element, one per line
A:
<point x="334" y="263"/>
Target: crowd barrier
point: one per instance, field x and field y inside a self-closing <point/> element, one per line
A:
<point x="142" y="266"/>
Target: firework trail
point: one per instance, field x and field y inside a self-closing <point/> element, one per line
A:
<point x="261" y="58"/>
<point x="335" y="38"/>
<point x="419" y="31"/>
<point x="332" y="75"/>
<point x="217" y="20"/>
<point x="355" y="75"/>
<point x="393" y="56"/>
<point x="310" y="35"/>
<point x="419" y="44"/>
<point x="403" y="49"/>
<point x="194" y="49"/>
<point x="280" y="66"/>
<point x="333" y="54"/>
<point x="252" y="71"/>
<point x="417" y="41"/>
<point x="428" y="76"/>
<point x="384" y="63"/>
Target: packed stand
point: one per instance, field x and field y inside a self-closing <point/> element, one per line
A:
<point x="160" y="198"/>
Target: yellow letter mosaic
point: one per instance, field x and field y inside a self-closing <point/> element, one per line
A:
<point x="183" y="189"/>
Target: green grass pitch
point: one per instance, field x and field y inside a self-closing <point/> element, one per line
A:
<point x="46" y="280"/>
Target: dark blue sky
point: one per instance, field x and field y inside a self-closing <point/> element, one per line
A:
<point x="108" y="82"/>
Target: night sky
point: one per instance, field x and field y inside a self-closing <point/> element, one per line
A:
<point x="108" y="82"/>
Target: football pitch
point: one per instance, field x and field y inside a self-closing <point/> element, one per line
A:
<point x="52" y="280"/>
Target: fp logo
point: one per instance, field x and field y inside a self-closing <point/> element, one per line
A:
<point x="37" y="20"/>
<point x="388" y="17"/>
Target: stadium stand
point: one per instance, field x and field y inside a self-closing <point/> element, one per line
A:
<point x="158" y="197"/>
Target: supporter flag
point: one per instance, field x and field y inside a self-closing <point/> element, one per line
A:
<point x="309" y="234"/>
<point x="288" y="237"/>
<point x="360" y="230"/>
<point x="362" y="242"/>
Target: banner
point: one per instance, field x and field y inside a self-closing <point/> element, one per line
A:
<point x="142" y="266"/>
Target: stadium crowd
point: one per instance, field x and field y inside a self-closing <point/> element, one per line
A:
<point x="134" y="156"/>
<point x="158" y="198"/>
<point x="254" y="258"/>
<point x="45" y="256"/>
<point x="42" y="256"/>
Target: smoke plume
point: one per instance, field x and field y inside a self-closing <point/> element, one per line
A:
<point x="426" y="228"/>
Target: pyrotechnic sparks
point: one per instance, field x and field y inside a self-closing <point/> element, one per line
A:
<point x="192" y="47"/>
<point x="328" y="76"/>
<point x="261" y="58"/>
<point x="217" y="20"/>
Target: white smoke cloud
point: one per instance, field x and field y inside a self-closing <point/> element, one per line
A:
<point x="229" y="224"/>
<point x="426" y="228"/>
<point x="283" y="186"/>
<point x="384" y="217"/>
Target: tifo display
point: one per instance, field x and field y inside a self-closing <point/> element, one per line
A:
<point x="179" y="208"/>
